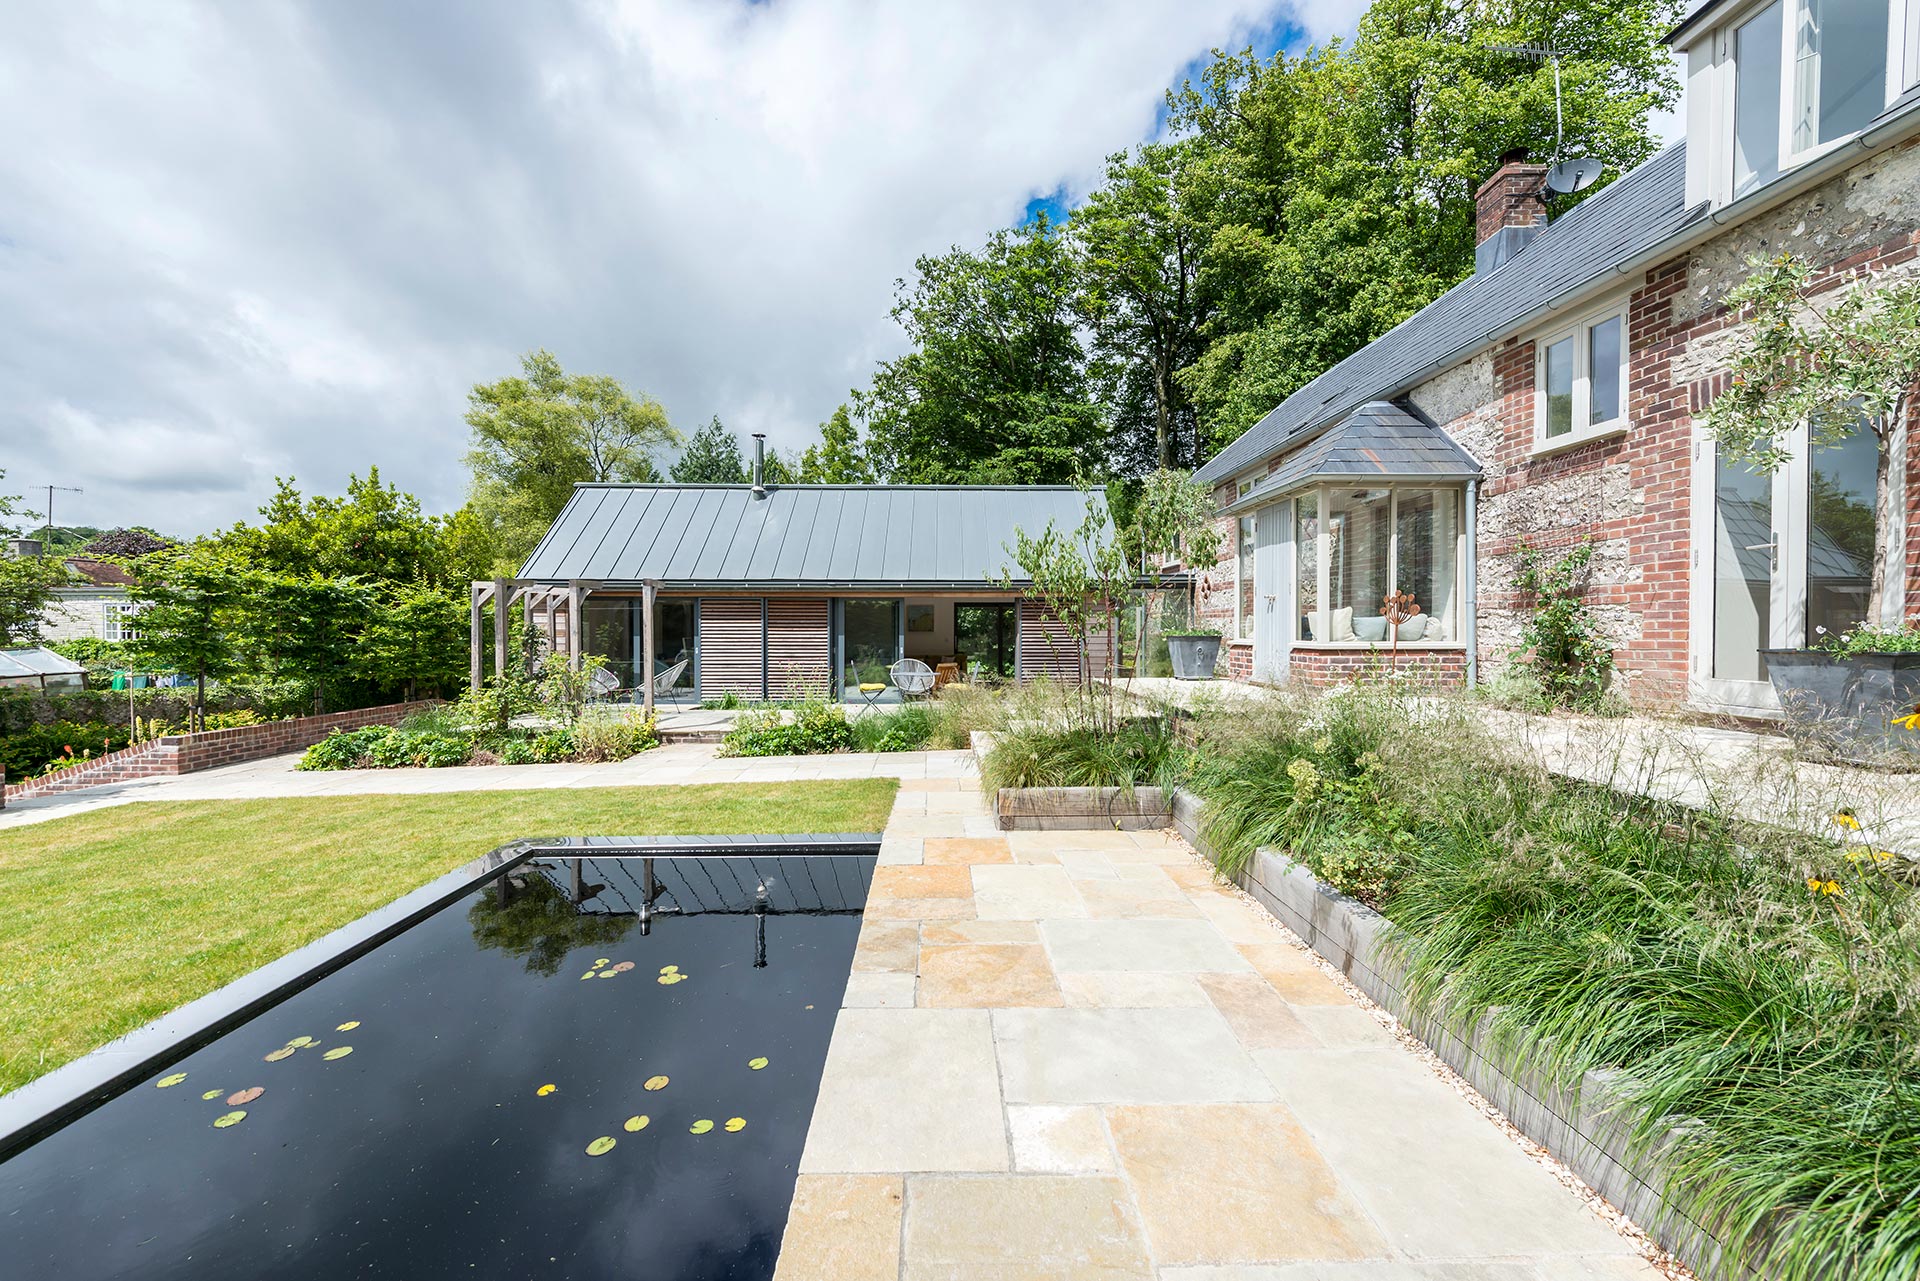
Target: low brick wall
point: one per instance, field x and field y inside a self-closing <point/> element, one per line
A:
<point x="1439" y="668"/>
<point x="1587" y="1129"/>
<point x="189" y="753"/>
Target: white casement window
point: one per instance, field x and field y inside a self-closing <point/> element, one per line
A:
<point x="116" y="621"/>
<point x="1243" y="535"/>
<point x="1803" y="76"/>
<point x="1580" y="380"/>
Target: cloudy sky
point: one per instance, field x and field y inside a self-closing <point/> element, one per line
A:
<point x="242" y="240"/>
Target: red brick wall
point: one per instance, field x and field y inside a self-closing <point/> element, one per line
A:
<point x="1239" y="660"/>
<point x="1438" y="668"/>
<point x="1511" y="198"/>
<point x="188" y="753"/>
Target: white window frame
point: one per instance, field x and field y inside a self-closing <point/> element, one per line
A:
<point x="1246" y="528"/>
<point x="114" y="617"/>
<point x="1581" y="332"/>
<point x="1323" y="567"/>
<point x="1716" y="125"/>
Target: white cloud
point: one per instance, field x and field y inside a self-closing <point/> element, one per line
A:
<point x="246" y="240"/>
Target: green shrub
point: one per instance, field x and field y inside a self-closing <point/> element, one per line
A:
<point x="553" y="746"/>
<point x="1146" y="750"/>
<point x="814" y="729"/>
<point x="1560" y="641"/>
<point x="344" y="749"/>
<point x="906" y="730"/>
<point x="35" y="749"/>
<point x="613" y="735"/>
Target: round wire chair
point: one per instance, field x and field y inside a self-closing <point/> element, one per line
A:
<point x="913" y="678"/>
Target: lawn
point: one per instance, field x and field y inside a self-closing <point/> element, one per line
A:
<point x="112" y="918"/>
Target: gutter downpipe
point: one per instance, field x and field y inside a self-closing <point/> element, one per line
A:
<point x="1777" y="192"/>
<point x="1470" y="633"/>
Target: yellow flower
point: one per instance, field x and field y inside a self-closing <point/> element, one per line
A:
<point x="1323" y="745"/>
<point x="1909" y="721"/>
<point x="1846" y="819"/>
<point x="1813" y="884"/>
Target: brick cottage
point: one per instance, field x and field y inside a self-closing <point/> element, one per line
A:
<point x="1556" y="394"/>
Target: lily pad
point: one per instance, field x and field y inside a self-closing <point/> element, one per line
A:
<point x="337" y="1052"/>
<point x="669" y="969"/>
<point x="588" y="975"/>
<point x="302" y="1042"/>
<point x="211" y="1095"/>
<point x="602" y="961"/>
<point x="244" y="1097"/>
<point x="166" y="1081"/>
<point x="284" y="1052"/>
<point x="348" y="1026"/>
<point x="656" y="1083"/>
<point x="670" y="979"/>
<point x="231" y="1118"/>
<point x="700" y="1127"/>
<point x="601" y="1146"/>
<point x="623" y="967"/>
<point x="635" y="1124"/>
<point x="735" y="1124"/>
<point x="756" y="1064"/>
<point x="546" y="1089"/>
<point x="609" y="974"/>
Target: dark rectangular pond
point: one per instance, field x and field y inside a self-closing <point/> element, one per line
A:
<point x="542" y="1079"/>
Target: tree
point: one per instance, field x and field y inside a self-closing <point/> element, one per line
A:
<point x="995" y="388"/>
<point x="1172" y="518"/>
<point x="712" y="457"/>
<point x="306" y="627"/>
<point x="838" y="458"/>
<point x="26" y="582"/>
<point x="374" y="532"/>
<point x="417" y="637"/>
<point x="1336" y="188"/>
<point x="1079" y="577"/>
<point x="189" y="600"/>
<point x="1139" y="256"/>
<point x="1831" y="364"/>
<point x="537" y="435"/>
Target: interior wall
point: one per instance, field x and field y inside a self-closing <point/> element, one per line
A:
<point x="937" y="643"/>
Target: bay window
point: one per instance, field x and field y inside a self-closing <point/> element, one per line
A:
<point x="1356" y="545"/>
<point x="1581" y="380"/>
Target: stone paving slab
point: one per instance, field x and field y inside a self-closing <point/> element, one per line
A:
<point x="1117" y="1066"/>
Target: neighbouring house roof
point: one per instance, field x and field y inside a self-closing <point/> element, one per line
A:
<point x="1378" y="441"/>
<point x="1643" y="208"/>
<point x="799" y="536"/>
<point x="100" y="573"/>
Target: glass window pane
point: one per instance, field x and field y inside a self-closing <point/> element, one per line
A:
<point x="1839" y="68"/>
<point x="1603" y="371"/>
<point x="1359" y="539"/>
<point x="609" y="634"/>
<point x="1429" y="531"/>
<point x="985" y="635"/>
<point x="1840" y="532"/>
<point x="871" y="632"/>
<point x="1756" y="101"/>
<point x="1742" y="571"/>
<point x="1245" y="571"/>
<point x="673" y="640"/>
<point x="1306" y="559"/>
<point x="1560" y="388"/>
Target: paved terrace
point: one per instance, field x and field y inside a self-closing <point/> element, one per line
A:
<point x="1076" y="1054"/>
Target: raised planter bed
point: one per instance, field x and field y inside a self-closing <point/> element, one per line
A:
<point x="1587" y="1129"/>
<point x="1847" y="704"/>
<point x="1062" y="809"/>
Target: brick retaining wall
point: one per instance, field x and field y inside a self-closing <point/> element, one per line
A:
<point x="190" y="753"/>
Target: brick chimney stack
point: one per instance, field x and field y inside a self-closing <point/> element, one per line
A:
<point x="1510" y="209"/>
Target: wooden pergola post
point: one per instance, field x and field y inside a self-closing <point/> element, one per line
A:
<point x="502" y="599"/>
<point x="576" y="638"/>
<point x="476" y="595"/>
<point x="649" y="592"/>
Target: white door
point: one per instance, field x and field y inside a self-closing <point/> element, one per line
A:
<point x="1272" y="591"/>
<point x="1777" y="560"/>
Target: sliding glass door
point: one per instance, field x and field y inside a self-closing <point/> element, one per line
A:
<point x="868" y="643"/>
<point x="985" y="636"/>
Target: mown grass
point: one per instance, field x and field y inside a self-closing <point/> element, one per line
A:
<point x="110" y="919"/>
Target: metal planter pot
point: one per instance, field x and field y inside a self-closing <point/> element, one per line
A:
<point x="1193" y="657"/>
<point x="1848" y="705"/>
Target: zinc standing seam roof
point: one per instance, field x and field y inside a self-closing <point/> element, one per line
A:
<point x="1644" y="207"/>
<point x="802" y="536"/>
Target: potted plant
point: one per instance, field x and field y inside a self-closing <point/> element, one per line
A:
<point x="1174" y="519"/>
<point x="1833" y="365"/>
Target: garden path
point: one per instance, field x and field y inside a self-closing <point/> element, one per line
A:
<point x="1077" y="1054"/>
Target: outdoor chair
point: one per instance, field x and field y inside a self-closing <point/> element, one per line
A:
<point x="602" y="685"/>
<point x="913" y="678"/>
<point x="665" y="679"/>
<point x="871" y="692"/>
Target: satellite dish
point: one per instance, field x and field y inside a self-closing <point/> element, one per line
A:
<point x="1573" y="175"/>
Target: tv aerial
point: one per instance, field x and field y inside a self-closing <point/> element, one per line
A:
<point x="1573" y="173"/>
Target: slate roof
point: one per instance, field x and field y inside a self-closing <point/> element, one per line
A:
<point x="799" y="536"/>
<point x="1378" y="440"/>
<point x="1641" y="209"/>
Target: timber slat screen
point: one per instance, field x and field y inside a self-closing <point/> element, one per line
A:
<point x="799" y="648"/>
<point x="733" y="646"/>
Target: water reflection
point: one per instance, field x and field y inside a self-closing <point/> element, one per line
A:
<point x="533" y="918"/>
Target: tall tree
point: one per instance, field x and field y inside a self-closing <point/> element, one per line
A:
<point x="838" y="458"/>
<point x="712" y="457"/>
<point x="306" y="627"/>
<point x="996" y="385"/>
<point x="538" y="434"/>
<point x="417" y="639"/>
<point x="374" y="532"/>
<point x="26" y="582"/>
<point x="1338" y="185"/>
<point x="189" y="600"/>
<point x="1139" y="245"/>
